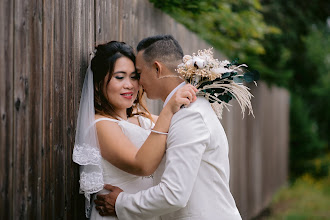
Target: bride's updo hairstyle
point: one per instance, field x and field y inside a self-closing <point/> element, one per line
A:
<point x="103" y="63"/>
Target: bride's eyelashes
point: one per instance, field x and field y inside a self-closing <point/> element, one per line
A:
<point x="134" y="76"/>
<point x="119" y="77"/>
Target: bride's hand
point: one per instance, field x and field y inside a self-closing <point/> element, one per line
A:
<point x="183" y="96"/>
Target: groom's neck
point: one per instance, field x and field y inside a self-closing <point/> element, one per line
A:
<point x="169" y="85"/>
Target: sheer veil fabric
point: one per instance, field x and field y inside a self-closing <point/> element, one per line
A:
<point x="86" y="151"/>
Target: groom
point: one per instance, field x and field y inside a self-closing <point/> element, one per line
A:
<point x="192" y="181"/>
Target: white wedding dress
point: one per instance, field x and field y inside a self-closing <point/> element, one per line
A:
<point x="113" y="175"/>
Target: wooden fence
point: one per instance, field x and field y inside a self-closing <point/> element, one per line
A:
<point x="44" y="50"/>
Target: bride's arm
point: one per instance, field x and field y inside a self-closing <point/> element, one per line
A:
<point x="154" y="118"/>
<point x="120" y="151"/>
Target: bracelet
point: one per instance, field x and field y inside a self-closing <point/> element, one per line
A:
<point x="158" y="132"/>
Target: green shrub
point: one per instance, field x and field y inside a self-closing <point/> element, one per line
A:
<point x="305" y="143"/>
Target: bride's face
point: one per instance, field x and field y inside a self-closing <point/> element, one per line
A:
<point x="123" y="86"/>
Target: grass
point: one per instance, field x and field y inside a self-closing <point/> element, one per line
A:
<point x="306" y="199"/>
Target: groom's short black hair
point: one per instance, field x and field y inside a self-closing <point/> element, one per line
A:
<point x="163" y="48"/>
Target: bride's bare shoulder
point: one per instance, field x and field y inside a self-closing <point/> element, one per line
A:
<point x="105" y="124"/>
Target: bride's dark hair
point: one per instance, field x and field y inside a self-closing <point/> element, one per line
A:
<point x="103" y="63"/>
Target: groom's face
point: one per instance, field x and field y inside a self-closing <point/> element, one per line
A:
<point x="148" y="76"/>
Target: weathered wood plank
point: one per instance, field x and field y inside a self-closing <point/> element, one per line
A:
<point x="34" y="110"/>
<point x="82" y="39"/>
<point x="47" y="193"/>
<point x="126" y="18"/>
<point x="238" y="147"/>
<point x="254" y="156"/>
<point x="69" y="114"/>
<point x="268" y="122"/>
<point x="21" y="99"/>
<point x="47" y="114"/>
<point x="133" y="24"/>
<point x="108" y="21"/>
<point x="59" y="91"/>
<point x="6" y="108"/>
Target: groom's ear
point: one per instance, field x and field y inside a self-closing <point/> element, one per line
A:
<point x="158" y="68"/>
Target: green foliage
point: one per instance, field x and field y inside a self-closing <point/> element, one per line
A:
<point x="231" y="26"/>
<point x="193" y="6"/>
<point x="287" y="41"/>
<point x="288" y="50"/>
<point x="307" y="198"/>
<point x="302" y="51"/>
<point x="318" y="54"/>
<point x="305" y="143"/>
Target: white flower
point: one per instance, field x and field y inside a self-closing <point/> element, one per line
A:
<point x="199" y="62"/>
<point x="224" y="62"/>
<point x="221" y="70"/>
<point x="186" y="58"/>
<point x="205" y="73"/>
<point x="204" y="65"/>
<point x="181" y="65"/>
<point x="189" y="63"/>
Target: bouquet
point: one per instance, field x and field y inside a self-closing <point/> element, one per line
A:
<point x="218" y="81"/>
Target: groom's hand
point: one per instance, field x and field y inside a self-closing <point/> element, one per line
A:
<point x="105" y="204"/>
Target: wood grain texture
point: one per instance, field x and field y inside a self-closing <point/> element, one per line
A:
<point x="6" y="108"/>
<point x="59" y="192"/>
<point x="21" y="103"/>
<point x="47" y="107"/>
<point x="34" y="107"/>
<point x="81" y="43"/>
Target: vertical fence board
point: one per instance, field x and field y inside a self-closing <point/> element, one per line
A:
<point x="21" y="103"/>
<point x="108" y="21"/>
<point x="66" y="129"/>
<point x="34" y="110"/>
<point x="6" y="108"/>
<point x="47" y="113"/>
<point x="253" y="155"/>
<point x="69" y="116"/>
<point x="59" y="92"/>
<point x="265" y="135"/>
<point x="238" y="146"/>
<point x="81" y="41"/>
<point x="127" y="18"/>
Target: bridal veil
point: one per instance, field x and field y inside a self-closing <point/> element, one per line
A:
<point x="86" y="151"/>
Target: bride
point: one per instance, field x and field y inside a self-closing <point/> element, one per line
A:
<point x="117" y="141"/>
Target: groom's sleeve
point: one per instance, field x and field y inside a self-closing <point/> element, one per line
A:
<point x="187" y="140"/>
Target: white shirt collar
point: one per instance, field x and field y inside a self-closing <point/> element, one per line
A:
<point x="172" y="93"/>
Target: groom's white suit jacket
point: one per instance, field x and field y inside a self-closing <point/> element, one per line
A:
<point x="192" y="181"/>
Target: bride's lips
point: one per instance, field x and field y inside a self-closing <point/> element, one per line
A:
<point x="127" y="95"/>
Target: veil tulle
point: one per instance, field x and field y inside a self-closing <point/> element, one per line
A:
<point x="86" y="151"/>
